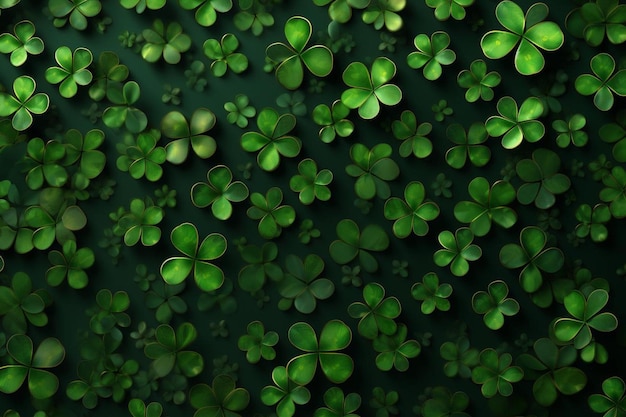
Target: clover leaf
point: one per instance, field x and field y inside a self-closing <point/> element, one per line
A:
<point x="72" y="70"/>
<point x="495" y="373"/>
<point x="340" y="11"/>
<point x="616" y="133"/>
<point x="260" y="266"/>
<point x="613" y="402"/>
<point x="338" y="404"/>
<point x="285" y="393"/>
<point x="443" y="402"/>
<point x="533" y="256"/>
<point x="239" y="111"/>
<point x="550" y="367"/>
<point x="20" y="305"/>
<point x="24" y="104"/>
<point x="70" y="264"/>
<point x="411" y="214"/>
<point x="431" y="54"/>
<point x="593" y="21"/>
<point x="413" y="136"/>
<point x="457" y="250"/>
<point x="167" y="42"/>
<point x="138" y="408"/>
<point x="311" y="184"/>
<point x="489" y="205"/>
<point x="44" y="164"/>
<point x="206" y="12"/>
<point x="433" y="296"/>
<point x="542" y="179"/>
<point x="528" y="30"/>
<point x="468" y="145"/>
<point x="336" y="366"/>
<point x="224" y="55"/>
<point x="585" y="312"/>
<point x="7" y="4"/>
<point x="353" y="242"/>
<point x="218" y="192"/>
<point x="257" y="343"/>
<point x="123" y="112"/>
<point x="384" y="13"/>
<point x="141" y="5"/>
<point x="168" y="352"/>
<point x="494" y="304"/>
<point x="141" y="223"/>
<point x="301" y="285"/>
<point x="444" y="9"/>
<point x="515" y="125"/>
<point x="377" y="314"/>
<point x="222" y="398"/>
<point x="110" y="73"/>
<point x="394" y="351"/>
<point x="83" y="150"/>
<point x="253" y="16"/>
<point x="460" y="357"/>
<point x="603" y="83"/>
<point x="592" y="221"/>
<point x="290" y="58"/>
<point x="144" y="158"/>
<point x="370" y="88"/>
<point x="478" y="81"/>
<point x="32" y="364"/>
<point x="110" y="312"/>
<point x="164" y="298"/>
<point x="185" y="132"/>
<point x="271" y="215"/>
<point x="23" y="43"/>
<point x="273" y="140"/>
<point x="333" y="121"/>
<point x="372" y="168"/>
<point x="614" y="192"/>
<point x="54" y="218"/>
<point x="76" y="11"/>
<point x="196" y="259"/>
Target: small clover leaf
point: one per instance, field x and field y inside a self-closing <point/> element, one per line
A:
<point x="23" y="43"/>
<point x="614" y="192"/>
<point x="384" y="13"/>
<point x="253" y="16"/>
<point x="224" y="55"/>
<point x="219" y="192"/>
<point x="411" y="214"/>
<point x="196" y="259"/>
<point x="468" y="145"/>
<point x="110" y="312"/>
<point x="138" y="408"/>
<point x="76" y="11"/>
<point x="123" y="112"/>
<point x="515" y="125"/>
<point x="239" y="111"/>
<point x="206" y="12"/>
<point x="257" y="343"/>
<point x="260" y="266"/>
<point x="533" y="256"/>
<point x="394" y="351"/>
<point x="168" y="352"/>
<point x="478" y="81"/>
<point x="83" y="150"/>
<point x="222" y="398"/>
<point x="144" y="158"/>
<point x="570" y="131"/>
<point x="70" y="264"/>
<point x="164" y="299"/>
<point x="333" y="121"/>
<point x="52" y="221"/>
<point x="494" y="304"/>
<point x="445" y="403"/>
<point x="185" y="132"/>
<point x="457" y="250"/>
<point x="372" y="168"/>
<point x="528" y="30"/>
<point x="285" y="393"/>
<point x="273" y="140"/>
<point x="431" y="54"/>
<point x="340" y="11"/>
<point x="271" y="215"/>
<point x="603" y="83"/>
<point x="24" y="104"/>
<point x="72" y="70"/>
<point x="444" y="9"/>
<point x="44" y="164"/>
<point x="460" y="357"/>
<point x="354" y="243"/>
<point x="370" y="88"/>
<point x="377" y="314"/>
<point x="495" y="373"/>
<point x="311" y="184"/>
<point x="141" y="223"/>
<point x="489" y="205"/>
<point x="413" y="136"/>
<point x="291" y="58"/>
<point x="616" y="133"/>
<point x="338" y="404"/>
<point x="384" y="403"/>
<point x="542" y="179"/>
<point x="336" y="366"/>
<point x="20" y="305"/>
<point x="301" y="285"/>
<point x="585" y="312"/>
<point x="167" y="42"/>
<point x="141" y="5"/>
<point x="592" y="221"/>
<point x="433" y="296"/>
<point x="613" y="402"/>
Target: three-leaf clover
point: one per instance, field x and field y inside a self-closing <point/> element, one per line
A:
<point x="123" y="112"/>
<point x="585" y="312"/>
<point x="516" y="124"/>
<point x="457" y="250"/>
<point x="413" y="213"/>
<point x="24" y="104"/>
<point x="372" y="168"/>
<point x="257" y="343"/>
<point x="533" y="256"/>
<point x="294" y="57"/>
<point x="353" y="242"/>
<point x="219" y="192"/>
<point x="495" y="373"/>
<point x="224" y="55"/>
<point x="394" y="351"/>
<point x="333" y="121"/>
<point x="222" y="398"/>
<point x="613" y="402"/>
<point x="336" y="366"/>
<point x="23" y="43"/>
<point x="494" y="304"/>
<point x="185" y="132"/>
<point x="285" y="393"/>
<point x="489" y="205"/>
<point x="542" y="179"/>
<point x="167" y="42"/>
<point x="271" y="215"/>
<point x="311" y="184"/>
<point x="413" y="136"/>
<point x="528" y="30"/>
<point x="468" y="145"/>
<point x="444" y="9"/>
<point x="273" y="140"/>
<point x="301" y="285"/>
<point x="603" y="83"/>
<point x="377" y="313"/>
<point x="370" y="88"/>
<point x="431" y="54"/>
<point x="196" y="259"/>
<point x="72" y="70"/>
<point x="70" y="264"/>
<point x="206" y="12"/>
<point x="478" y="81"/>
<point x="76" y="11"/>
<point x="432" y="294"/>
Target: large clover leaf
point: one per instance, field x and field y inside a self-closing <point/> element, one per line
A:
<point x="72" y="70"/>
<point x="603" y="83"/>
<point x="412" y="213"/>
<point x="494" y="304"/>
<point x="457" y="250"/>
<point x="165" y="41"/>
<point x="22" y="43"/>
<point x="188" y="132"/>
<point x="377" y="313"/>
<point x="516" y="124"/>
<point x="431" y="54"/>
<point x="542" y="179"/>
<point x="24" y="104"/>
<point x="302" y="285"/>
<point x="271" y="215"/>
<point x="353" y="242"/>
<point x="372" y="168"/>
<point x="219" y="192"/>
